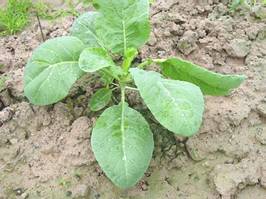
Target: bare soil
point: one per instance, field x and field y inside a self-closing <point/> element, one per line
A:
<point x="45" y="152"/>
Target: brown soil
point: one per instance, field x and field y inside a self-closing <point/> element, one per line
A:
<point x="45" y="151"/>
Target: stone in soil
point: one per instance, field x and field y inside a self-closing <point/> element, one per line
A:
<point x="238" y="48"/>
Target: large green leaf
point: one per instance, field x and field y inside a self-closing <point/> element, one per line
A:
<point x="123" y="144"/>
<point x="93" y="59"/>
<point x="100" y="99"/>
<point x="117" y="26"/>
<point x="210" y="83"/>
<point x="52" y="70"/>
<point x="84" y="28"/>
<point x="123" y="23"/>
<point x="177" y="105"/>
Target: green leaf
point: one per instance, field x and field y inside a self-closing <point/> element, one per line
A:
<point x="84" y="28"/>
<point x="122" y="144"/>
<point x="177" y="105"/>
<point x="211" y="83"/>
<point x="130" y="55"/>
<point x="100" y="99"/>
<point x="110" y="73"/>
<point x="122" y="24"/>
<point x="106" y="76"/>
<point x="52" y="70"/>
<point x="117" y="26"/>
<point x="93" y="59"/>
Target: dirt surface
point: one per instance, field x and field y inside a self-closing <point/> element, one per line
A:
<point x="45" y="151"/>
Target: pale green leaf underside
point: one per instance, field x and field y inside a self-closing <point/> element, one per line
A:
<point x="93" y="59"/>
<point x="52" y="70"/>
<point x="117" y="26"/>
<point x="123" y="148"/>
<point x="100" y="99"/>
<point x="211" y="83"/>
<point x="177" y="105"/>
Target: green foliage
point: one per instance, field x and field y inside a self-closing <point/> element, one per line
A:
<point x="100" y="99"/>
<point x="83" y="28"/>
<point x="94" y="59"/>
<point x="14" y="17"/>
<point x="17" y="14"/>
<point x="210" y="83"/>
<point x="52" y="70"/>
<point x="105" y="42"/>
<point x="126" y="22"/>
<point x="129" y="56"/>
<point x="123" y="133"/>
<point x="178" y="105"/>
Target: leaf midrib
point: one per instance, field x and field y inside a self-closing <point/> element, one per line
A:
<point x="124" y="36"/>
<point x="124" y="159"/>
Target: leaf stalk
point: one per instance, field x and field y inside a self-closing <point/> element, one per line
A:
<point x="145" y="63"/>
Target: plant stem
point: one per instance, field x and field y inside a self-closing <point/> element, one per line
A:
<point x="124" y="36"/>
<point x="123" y="136"/>
<point x="122" y="109"/>
<point x="113" y="89"/>
<point x="158" y="60"/>
<point x="117" y="85"/>
<point x="149" y="61"/>
<point x="123" y="87"/>
<point x="131" y="88"/>
<point x="145" y="63"/>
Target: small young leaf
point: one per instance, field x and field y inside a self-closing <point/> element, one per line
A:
<point x="100" y="99"/>
<point x="52" y="70"/>
<point x="93" y="59"/>
<point x="177" y="105"/>
<point x="130" y="55"/>
<point x="122" y="144"/>
<point x="211" y="83"/>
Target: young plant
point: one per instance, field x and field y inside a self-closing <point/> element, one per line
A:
<point x="121" y="138"/>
